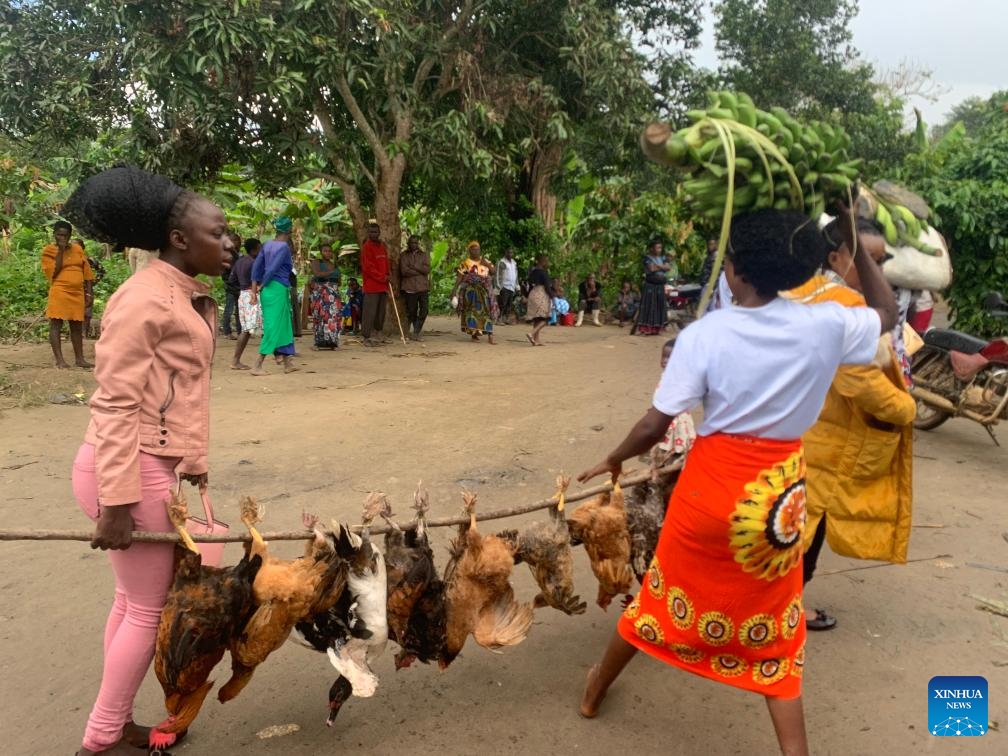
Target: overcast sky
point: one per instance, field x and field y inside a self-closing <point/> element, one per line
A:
<point x="962" y="42"/>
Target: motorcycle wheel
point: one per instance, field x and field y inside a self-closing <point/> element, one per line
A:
<point x="929" y="418"/>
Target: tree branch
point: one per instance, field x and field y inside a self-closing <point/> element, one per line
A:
<point x="423" y="70"/>
<point x="343" y="87"/>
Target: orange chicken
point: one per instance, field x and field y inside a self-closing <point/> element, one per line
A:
<point x="600" y="524"/>
<point x="479" y="598"/>
<point x="285" y="593"/>
<point x="205" y="609"/>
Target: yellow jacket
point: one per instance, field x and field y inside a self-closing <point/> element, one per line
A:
<point x="859" y="458"/>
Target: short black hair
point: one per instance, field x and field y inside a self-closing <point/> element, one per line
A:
<point x="775" y="250"/>
<point x="670" y="344"/>
<point x="129" y="207"/>
<point x="62" y="225"/>
<point x="251" y="244"/>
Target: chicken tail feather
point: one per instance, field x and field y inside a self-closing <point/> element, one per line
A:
<point x="506" y="623"/>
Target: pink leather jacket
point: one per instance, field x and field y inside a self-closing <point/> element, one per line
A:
<point x="152" y="364"/>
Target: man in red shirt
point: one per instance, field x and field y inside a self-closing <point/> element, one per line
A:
<point x="375" y="274"/>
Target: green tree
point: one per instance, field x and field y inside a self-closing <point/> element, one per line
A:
<point x="965" y="181"/>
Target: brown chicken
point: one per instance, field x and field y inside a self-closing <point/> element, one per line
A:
<point x="479" y="598"/>
<point x="600" y="524"/>
<point x="645" y="512"/>
<point x="205" y="609"/>
<point x="285" y="593"/>
<point x="416" y="614"/>
<point x="545" y="547"/>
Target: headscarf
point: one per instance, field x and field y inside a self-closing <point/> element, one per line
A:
<point x="472" y="245"/>
<point x="283" y="224"/>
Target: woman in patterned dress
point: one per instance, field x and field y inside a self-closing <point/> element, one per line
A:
<point x="473" y="295"/>
<point x="326" y="307"/>
<point x="722" y="598"/>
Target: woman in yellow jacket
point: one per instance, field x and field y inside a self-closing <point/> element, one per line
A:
<point x="859" y="453"/>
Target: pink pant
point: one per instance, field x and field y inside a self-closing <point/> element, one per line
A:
<point x="143" y="574"/>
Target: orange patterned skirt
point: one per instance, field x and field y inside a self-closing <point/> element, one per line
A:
<point x="723" y="596"/>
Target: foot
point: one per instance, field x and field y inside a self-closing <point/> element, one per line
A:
<point x="593" y="697"/>
<point x="61" y="365"/>
<point x="83" y="364"/>
<point x="530" y="339"/>
<point x="491" y="340"/>
<point x="258" y="371"/>
<point x="290" y="367"/>
<point x="820" y="621"/>
<point x="239" y="366"/>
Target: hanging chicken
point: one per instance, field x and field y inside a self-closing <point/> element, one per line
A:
<point x="600" y="524"/>
<point x="286" y="592"/>
<point x="416" y="608"/>
<point x="206" y="607"/>
<point x="545" y="547"/>
<point x="479" y="598"/>
<point x="645" y="513"/>
<point x="354" y="631"/>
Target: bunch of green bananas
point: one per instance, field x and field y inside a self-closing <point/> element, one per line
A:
<point x="901" y="226"/>
<point x="743" y="158"/>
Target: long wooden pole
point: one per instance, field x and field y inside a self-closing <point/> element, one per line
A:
<point x="303" y="535"/>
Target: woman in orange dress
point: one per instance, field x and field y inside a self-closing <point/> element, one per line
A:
<point x="70" y="292"/>
<point x="723" y="596"/>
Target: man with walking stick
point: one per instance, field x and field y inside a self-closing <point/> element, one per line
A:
<point x="375" y="275"/>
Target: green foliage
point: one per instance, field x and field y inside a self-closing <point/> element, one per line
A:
<point x="965" y="180"/>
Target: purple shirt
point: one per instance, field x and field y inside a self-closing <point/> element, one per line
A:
<point x="241" y="272"/>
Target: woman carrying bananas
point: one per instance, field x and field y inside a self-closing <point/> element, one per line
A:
<point x="652" y="317"/>
<point x="723" y="596"/>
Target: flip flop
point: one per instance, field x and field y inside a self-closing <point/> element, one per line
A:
<point x="821" y="621"/>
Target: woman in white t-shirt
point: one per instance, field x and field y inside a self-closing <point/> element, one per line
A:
<point x="722" y="598"/>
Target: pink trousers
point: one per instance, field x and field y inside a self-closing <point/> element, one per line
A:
<point x="143" y="574"/>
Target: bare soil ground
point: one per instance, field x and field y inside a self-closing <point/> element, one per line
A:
<point x="502" y="420"/>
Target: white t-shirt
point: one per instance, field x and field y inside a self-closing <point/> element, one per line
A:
<point x="764" y="371"/>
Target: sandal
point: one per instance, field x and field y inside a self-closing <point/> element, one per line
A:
<point x="821" y="621"/>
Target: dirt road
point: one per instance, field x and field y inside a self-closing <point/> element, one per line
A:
<point x="502" y="420"/>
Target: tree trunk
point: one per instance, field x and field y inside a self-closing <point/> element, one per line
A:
<point x="387" y="215"/>
<point x="545" y="164"/>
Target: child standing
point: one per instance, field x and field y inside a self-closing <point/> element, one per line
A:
<point x="149" y="414"/>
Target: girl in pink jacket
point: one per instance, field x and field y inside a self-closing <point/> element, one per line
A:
<point x="149" y="414"/>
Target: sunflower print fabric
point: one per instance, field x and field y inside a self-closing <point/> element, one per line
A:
<point x="722" y="597"/>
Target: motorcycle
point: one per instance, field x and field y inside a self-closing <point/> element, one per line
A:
<point x="681" y="300"/>
<point x="959" y="375"/>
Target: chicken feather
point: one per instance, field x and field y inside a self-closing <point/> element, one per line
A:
<point x="600" y="524"/>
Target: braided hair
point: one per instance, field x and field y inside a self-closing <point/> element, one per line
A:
<point x="129" y="207"/>
<point x="775" y="250"/>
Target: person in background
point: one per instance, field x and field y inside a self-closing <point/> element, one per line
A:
<point x="326" y="307"/>
<point x="157" y="341"/>
<point x="375" y="272"/>
<point x="627" y="301"/>
<point x="653" y="316"/>
<point x="70" y="280"/>
<point x="558" y="303"/>
<point x="271" y="273"/>
<point x="723" y="595"/>
<point x="859" y="453"/>
<point x="681" y="433"/>
<point x="540" y="291"/>
<point x="921" y="310"/>
<point x="231" y="292"/>
<point x="354" y="305"/>
<point x="707" y="270"/>
<point x="249" y="311"/>
<point x="589" y="299"/>
<point x="414" y="280"/>
<point x="506" y="279"/>
<point x="473" y="294"/>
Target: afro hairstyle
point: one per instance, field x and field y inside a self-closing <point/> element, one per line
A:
<point x="775" y="250"/>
